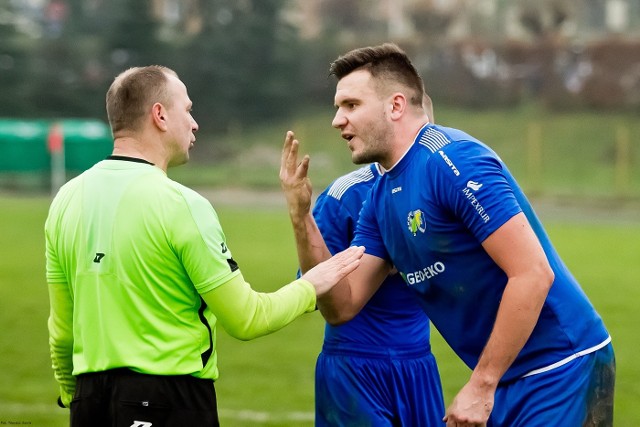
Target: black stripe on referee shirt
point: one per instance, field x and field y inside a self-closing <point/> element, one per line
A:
<point x="207" y="354"/>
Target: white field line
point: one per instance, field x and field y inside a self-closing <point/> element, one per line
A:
<point x="23" y="410"/>
<point x="264" y="417"/>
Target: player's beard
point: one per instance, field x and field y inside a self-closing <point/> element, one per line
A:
<point x="376" y="144"/>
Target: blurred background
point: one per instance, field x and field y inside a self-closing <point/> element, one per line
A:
<point x="560" y="76"/>
<point x="552" y="85"/>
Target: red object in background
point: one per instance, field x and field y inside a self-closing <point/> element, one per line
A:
<point x="55" y="139"/>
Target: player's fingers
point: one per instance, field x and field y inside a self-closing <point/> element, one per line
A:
<point x="450" y="422"/>
<point x="286" y="148"/>
<point x="291" y="161"/>
<point x="303" y="168"/>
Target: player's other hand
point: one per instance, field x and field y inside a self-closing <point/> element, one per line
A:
<point x="471" y="407"/>
<point x="294" y="179"/>
<point x="327" y="274"/>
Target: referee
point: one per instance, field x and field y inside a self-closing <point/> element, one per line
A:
<point x="139" y="273"/>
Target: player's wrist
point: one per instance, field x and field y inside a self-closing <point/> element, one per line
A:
<point x="298" y="213"/>
<point x="484" y="380"/>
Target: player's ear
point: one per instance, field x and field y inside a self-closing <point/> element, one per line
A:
<point x="397" y="106"/>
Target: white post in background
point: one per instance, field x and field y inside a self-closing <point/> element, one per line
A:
<point x="55" y="142"/>
<point x="617" y="15"/>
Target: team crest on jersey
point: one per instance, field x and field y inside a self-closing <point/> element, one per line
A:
<point x="415" y="222"/>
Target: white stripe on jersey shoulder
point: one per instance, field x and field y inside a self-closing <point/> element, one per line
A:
<point x="433" y="139"/>
<point x="342" y="184"/>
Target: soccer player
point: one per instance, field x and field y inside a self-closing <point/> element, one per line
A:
<point x="450" y="217"/>
<point x="377" y="369"/>
<point x="139" y="273"/>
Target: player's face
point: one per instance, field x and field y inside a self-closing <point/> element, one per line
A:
<point x="182" y="126"/>
<point x="362" y="119"/>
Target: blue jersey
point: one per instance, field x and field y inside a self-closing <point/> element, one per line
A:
<point x="392" y="319"/>
<point x="429" y="215"/>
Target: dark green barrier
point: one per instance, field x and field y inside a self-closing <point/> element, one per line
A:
<point x="86" y="143"/>
<point x="23" y="144"/>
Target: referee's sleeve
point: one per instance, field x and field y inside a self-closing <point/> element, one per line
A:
<point x="60" y="326"/>
<point x="246" y="314"/>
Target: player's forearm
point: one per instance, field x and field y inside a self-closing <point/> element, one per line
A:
<point x="517" y="316"/>
<point x="346" y="299"/>
<point x="310" y="245"/>
<point x="516" y="249"/>
<point x="335" y="305"/>
<point x="246" y="314"/>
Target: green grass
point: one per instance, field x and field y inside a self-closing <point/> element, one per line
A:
<point x="269" y="381"/>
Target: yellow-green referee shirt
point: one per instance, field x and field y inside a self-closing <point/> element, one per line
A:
<point x="139" y="273"/>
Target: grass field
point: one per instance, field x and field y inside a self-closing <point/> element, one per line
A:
<point x="269" y="381"/>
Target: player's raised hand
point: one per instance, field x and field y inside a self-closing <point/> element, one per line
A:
<point x="294" y="179"/>
<point x="327" y="274"/>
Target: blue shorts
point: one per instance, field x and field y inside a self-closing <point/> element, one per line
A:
<point x="579" y="393"/>
<point x="390" y="389"/>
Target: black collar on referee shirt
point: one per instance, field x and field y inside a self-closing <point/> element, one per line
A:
<point x="129" y="159"/>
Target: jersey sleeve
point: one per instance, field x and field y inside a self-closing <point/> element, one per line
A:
<point x="60" y="322"/>
<point x="474" y="184"/>
<point x="246" y="314"/>
<point x="60" y="325"/>
<point x="54" y="272"/>
<point x="201" y="244"/>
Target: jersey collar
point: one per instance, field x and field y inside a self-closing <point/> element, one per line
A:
<point x="129" y="159"/>
<point x="400" y="161"/>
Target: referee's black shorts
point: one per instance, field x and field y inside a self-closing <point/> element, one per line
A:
<point x="123" y="398"/>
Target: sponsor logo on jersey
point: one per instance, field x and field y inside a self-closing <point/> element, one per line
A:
<point x="396" y="190"/>
<point x="475" y="186"/>
<point x="448" y="161"/>
<point x="467" y="191"/>
<point x="415" y="222"/>
<point x="424" y="274"/>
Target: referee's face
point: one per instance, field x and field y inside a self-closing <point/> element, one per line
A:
<point x="181" y="124"/>
<point x="362" y="118"/>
